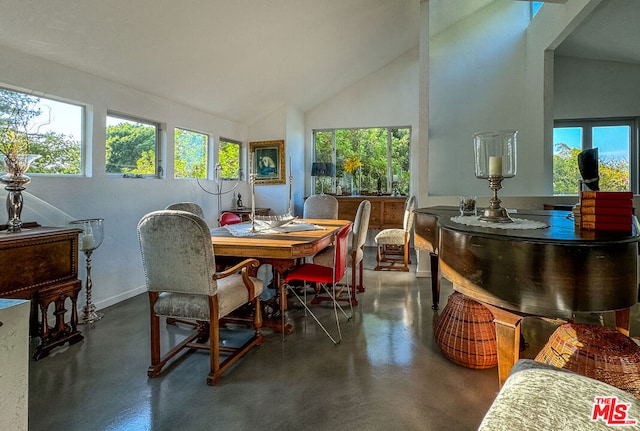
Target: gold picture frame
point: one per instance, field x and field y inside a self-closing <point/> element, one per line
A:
<point x="266" y="161"/>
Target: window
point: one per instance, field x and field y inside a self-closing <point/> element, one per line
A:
<point x="616" y="142"/>
<point x="132" y="147"/>
<point x="229" y="159"/>
<point x="535" y="7"/>
<point x="49" y="128"/>
<point x="367" y="160"/>
<point x="190" y="160"/>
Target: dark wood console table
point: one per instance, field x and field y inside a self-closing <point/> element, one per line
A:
<point x="41" y="264"/>
<point x="549" y="272"/>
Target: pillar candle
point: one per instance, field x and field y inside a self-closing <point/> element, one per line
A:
<point x="87" y="242"/>
<point x="495" y="166"/>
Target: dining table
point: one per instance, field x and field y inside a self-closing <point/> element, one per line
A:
<point x="282" y="247"/>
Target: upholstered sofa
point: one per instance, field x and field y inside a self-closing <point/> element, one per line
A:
<point x="537" y="396"/>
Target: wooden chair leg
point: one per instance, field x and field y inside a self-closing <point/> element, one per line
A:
<point x="360" y="275"/>
<point x="155" y="367"/>
<point x="214" y="343"/>
<point x="257" y="316"/>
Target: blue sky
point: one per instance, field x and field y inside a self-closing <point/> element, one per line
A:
<point x="612" y="141"/>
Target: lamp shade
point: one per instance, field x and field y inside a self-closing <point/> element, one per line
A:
<point x="319" y="169"/>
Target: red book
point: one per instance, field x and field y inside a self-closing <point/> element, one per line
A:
<point x="599" y="218"/>
<point x="606" y="195"/>
<point x="624" y="227"/>
<point x="599" y="209"/>
<point x="610" y="203"/>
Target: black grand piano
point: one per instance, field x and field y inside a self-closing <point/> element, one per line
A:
<point x="550" y="272"/>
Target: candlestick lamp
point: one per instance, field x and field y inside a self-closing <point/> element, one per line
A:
<point x="495" y="160"/>
<point x="90" y="239"/>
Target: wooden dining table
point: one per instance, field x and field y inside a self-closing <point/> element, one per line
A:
<point x="282" y="250"/>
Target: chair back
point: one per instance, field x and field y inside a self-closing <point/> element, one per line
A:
<point x="341" y="250"/>
<point x="177" y="255"/>
<point x="407" y="223"/>
<point x="191" y="207"/>
<point x="229" y="218"/>
<point x="361" y="225"/>
<point x="320" y="207"/>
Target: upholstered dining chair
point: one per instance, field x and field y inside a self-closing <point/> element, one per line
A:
<point x="320" y="207"/>
<point x="356" y="250"/>
<point x="229" y="218"/>
<point x="393" y="244"/>
<point x="182" y="283"/>
<point x="325" y="277"/>
<point x="191" y="207"/>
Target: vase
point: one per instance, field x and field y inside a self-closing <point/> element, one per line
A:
<point x="15" y="181"/>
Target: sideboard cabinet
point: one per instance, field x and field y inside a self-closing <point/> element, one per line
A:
<point x="386" y="211"/>
<point x="41" y="264"/>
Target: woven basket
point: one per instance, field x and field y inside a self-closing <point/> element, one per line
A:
<point x="466" y="333"/>
<point x="599" y="352"/>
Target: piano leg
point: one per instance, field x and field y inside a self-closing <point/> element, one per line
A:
<point x="435" y="281"/>
<point x="622" y="320"/>
<point x="508" y="339"/>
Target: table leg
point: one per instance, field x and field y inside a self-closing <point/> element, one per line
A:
<point x="275" y="309"/>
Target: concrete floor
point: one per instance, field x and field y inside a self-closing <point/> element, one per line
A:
<point x="387" y="374"/>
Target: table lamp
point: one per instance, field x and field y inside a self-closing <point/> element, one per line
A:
<point x="322" y="169"/>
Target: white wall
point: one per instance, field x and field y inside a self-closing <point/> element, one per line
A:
<point x="271" y="127"/>
<point x="488" y="72"/>
<point x="117" y="269"/>
<point x="595" y="89"/>
<point x="386" y="98"/>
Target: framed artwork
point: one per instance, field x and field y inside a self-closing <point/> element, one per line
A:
<point x="266" y="159"/>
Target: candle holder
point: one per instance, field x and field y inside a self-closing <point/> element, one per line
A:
<point x="495" y="160"/>
<point x="252" y="182"/>
<point x="90" y="239"/>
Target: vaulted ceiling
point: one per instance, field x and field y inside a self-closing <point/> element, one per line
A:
<point x="610" y="33"/>
<point x="237" y="59"/>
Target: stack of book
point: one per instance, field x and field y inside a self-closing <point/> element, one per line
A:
<point x="606" y="210"/>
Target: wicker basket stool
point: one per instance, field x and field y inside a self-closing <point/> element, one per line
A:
<point x="466" y="333"/>
<point x="599" y="352"/>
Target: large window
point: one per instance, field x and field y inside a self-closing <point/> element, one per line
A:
<point x="229" y="159"/>
<point x="366" y="159"/>
<point x="616" y="140"/>
<point x="132" y="146"/>
<point x="52" y="129"/>
<point x="191" y="148"/>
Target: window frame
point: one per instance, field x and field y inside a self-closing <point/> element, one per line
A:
<point x="334" y="156"/>
<point x="159" y="129"/>
<point x="241" y="159"/>
<point x="588" y="124"/>
<point x="83" y="136"/>
<point x="207" y="152"/>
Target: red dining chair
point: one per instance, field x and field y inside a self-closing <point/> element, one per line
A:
<point x="323" y="277"/>
<point x="229" y="218"/>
